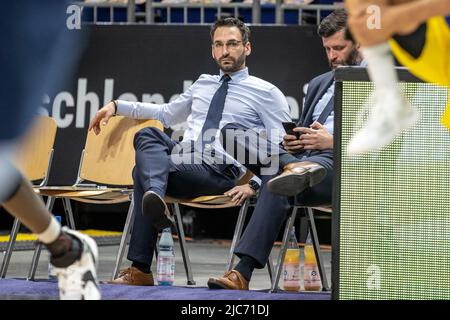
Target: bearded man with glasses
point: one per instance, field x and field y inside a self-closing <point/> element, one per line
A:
<point x="198" y="165"/>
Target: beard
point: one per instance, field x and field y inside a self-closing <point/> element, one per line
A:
<point x="353" y="59"/>
<point x="233" y="64"/>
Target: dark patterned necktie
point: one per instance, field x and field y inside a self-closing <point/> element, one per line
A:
<point x="214" y="112"/>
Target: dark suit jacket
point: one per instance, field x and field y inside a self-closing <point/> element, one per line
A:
<point x="321" y="193"/>
<point x="316" y="89"/>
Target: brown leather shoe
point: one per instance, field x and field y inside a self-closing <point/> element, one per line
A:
<point x="232" y="280"/>
<point x="134" y="277"/>
<point x="153" y="205"/>
<point x="296" y="177"/>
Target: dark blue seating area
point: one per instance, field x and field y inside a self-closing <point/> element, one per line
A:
<point x="104" y="14"/>
<point x="177" y="14"/>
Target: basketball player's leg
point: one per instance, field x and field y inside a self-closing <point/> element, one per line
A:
<point x="27" y="72"/>
<point x="390" y="113"/>
<point x="72" y="253"/>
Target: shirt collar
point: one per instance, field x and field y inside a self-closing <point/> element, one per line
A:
<point x="236" y="76"/>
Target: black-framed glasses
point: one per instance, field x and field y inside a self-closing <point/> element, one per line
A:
<point x="231" y="45"/>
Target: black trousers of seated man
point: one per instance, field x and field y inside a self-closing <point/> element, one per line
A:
<point x="271" y="210"/>
<point x="155" y="170"/>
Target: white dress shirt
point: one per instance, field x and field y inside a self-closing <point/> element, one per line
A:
<point x="251" y="102"/>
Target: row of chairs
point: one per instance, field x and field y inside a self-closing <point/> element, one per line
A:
<point x="106" y="164"/>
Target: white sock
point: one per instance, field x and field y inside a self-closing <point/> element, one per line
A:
<point x="51" y="233"/>
<point x="381" y="66"/>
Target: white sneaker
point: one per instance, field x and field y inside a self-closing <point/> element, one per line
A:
<point x="390" y="117"/>
<point x="79" y="280"/>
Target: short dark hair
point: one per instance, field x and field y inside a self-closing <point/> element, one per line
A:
<point x="231" y="22"/>
<point x="335" y="22"/>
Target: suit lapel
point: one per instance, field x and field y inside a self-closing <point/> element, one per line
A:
<point x="309" y="108"/>
<point x="326" y="111"/>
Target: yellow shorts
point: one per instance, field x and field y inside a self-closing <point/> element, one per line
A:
<point x="433" y="65"/>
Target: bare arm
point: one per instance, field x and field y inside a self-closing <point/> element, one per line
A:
<point x="400" y="18"/>
<point x="417" y="12"/>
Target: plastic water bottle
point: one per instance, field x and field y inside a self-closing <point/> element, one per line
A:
<point x="165" y="270"/>
<point x="291" y="273"/>
<point x="51" y="268"/>
<point x="312" y="281"/>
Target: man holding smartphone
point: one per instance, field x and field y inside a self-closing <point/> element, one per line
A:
<point x="311" y="140"/>
<point x="297" y="139"/>
<point x="306" y="161"/>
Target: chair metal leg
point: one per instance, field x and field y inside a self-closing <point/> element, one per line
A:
<point x="10" y="247"/>
<point x="237" y="233"/>
<point x="35" y="260"/>
<point x="182" y="240"/>
<point x="316" y="245"/>
<point x="38" y="246"/>
<point x="69" y="213"/>
<point x="124" y="239"/>
<point x="270" y="268"/>
<point x="282" y="254"/>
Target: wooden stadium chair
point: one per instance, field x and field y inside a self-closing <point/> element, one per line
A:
<point x="309" y="212"/>
<point x="208" y="202"/>
<point x="33" y="158"/>
<point x="105" y="170"/>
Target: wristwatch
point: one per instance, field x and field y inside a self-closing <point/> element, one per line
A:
<point x="115" y="107"/>
<point x="254" y="185"/>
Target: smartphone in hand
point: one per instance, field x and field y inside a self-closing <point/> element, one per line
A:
<point x="289" y="128"/>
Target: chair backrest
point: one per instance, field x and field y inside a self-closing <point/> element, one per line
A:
<point x="35" y="149"/>
<point x="109" y="157"/>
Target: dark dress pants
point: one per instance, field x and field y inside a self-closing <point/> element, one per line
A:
<point x="156" y="171"/>
<point x="271" y="210"/>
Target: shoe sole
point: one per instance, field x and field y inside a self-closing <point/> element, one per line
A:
<point x="94" y="292"/>
<point x="214" y="284"/>
<point x="293" y="184"/>
<point x="153" y="206"/>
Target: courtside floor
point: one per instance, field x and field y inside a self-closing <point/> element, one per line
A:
<point x="208" y="258"/>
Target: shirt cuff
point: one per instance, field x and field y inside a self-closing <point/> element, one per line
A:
<point x="257" y="180"/>
<point x="124" y="107"/>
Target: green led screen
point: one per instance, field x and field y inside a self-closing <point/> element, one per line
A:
<point x="394" y="210"/>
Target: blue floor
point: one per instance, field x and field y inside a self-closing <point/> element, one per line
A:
<point x="47" y="290"/>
